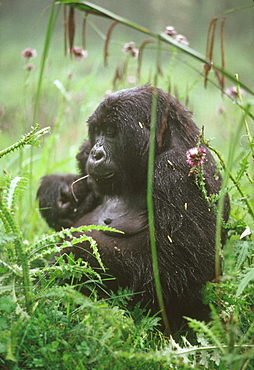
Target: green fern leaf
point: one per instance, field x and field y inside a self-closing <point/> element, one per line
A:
<point x="16" y="185"/>
<point x="247" y="277"/>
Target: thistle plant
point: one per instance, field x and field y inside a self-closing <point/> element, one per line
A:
<point x="195" y="159"/>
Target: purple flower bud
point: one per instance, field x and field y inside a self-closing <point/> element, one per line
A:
<point x="29" y="67"/>
<point x="29" y="53"/>
<point x="78" y="52"/>
<point x="131" y="79"/>
<point x="232" y="92"/>
<point x="195" y="156"/>
<point x="170" y="31"/>
<point x="182" y="39"/>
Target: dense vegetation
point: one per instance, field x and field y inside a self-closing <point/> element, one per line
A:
<point x="44" y="325"/>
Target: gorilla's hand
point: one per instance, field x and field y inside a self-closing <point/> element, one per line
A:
<point x="56" y="201"/>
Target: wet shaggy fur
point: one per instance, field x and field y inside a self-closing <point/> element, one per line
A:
<point x="114" y="194"/>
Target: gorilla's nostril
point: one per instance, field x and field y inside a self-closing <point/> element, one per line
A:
<point x="98" y="153"/>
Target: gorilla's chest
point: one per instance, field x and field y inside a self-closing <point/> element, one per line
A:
<point x="129" y="216"/>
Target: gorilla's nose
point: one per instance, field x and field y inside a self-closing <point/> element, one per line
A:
<point x="98" y="153"/>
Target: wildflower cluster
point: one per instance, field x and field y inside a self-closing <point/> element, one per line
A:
<point x="78" y="52"/>
<point x="29" y="54"/>
<point x="170" y="31"/>
<point x="130" y="49"/>
<point x="232" y="92"/>
<point x="195" y="159"/>
<point x="195" y="156"/>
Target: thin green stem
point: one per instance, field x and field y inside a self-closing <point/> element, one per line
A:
<point x="151" y="214"/>
<point x="232" y="178"/>
<point x="51" y="24"/>
<point x="28" y="139"/>
<point x="250" y="138"/>
<point x="227" y="175"/>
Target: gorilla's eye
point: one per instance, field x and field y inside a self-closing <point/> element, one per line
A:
<point x="110" y="131"/>
<point x="97" y="131"/>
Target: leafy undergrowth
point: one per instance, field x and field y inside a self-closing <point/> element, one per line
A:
<point x="48" y="324"/>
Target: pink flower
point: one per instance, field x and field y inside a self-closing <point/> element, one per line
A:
<point x="29" y="53"/>
<point x="78" y="52"/>
<point x="220" y="110"/>
<point x="29" y="67"/>
<point x="131" y="79"/>
<point x="182" y="39"/>
<point x="195" y="156"/>
<point x="170" y="31"/>
<point x="233" y="93"/>
<point x="130" y="49"/>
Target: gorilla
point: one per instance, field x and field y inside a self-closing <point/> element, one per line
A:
<point x="112" y="191"/>
<point x="62" y="203"/>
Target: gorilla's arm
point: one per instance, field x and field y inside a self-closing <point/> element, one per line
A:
<point x="57" y="203"/>
<point x="185" y="227"/>
<point x="62" y="201"/>
<point x="185" y="234"/>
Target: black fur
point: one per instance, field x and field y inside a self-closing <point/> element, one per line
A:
<point x="119" y="132"/>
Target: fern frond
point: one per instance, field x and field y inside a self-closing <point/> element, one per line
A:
<point x="244" y="164"/>
<point x="8" y="220"/>
<point x="11" y="227"/>
<point x="201" y="327"/>
<point x="244" y="249"/>
<point x="56" y="241"/>
<point x="11" y="192"/>
<point x="32" y="138"/>
<point x="247" y="276"/>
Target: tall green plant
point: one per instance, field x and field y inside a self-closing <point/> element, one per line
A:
<point x="8" y="199"/>
<point x="156" y="269"/>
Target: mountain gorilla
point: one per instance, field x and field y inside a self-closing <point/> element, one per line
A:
<point x="114" y="194"/>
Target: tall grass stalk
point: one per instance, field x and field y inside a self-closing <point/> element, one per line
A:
<point x="233" y="142"/>
<point x="54" y="12"/>
<point x="86" y="6"/>
<point x="151" y="213"/>
<point x="250" y="138"/>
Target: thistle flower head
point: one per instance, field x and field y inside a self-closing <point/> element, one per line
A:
<point x="29" y="53"/>
<point x="195" y="156"/>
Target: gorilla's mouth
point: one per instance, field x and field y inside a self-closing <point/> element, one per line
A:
<point x="101" y="177"/>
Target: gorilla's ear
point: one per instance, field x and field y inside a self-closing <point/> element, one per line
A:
<point x="82" y="157"/>
<point x="175" y="127"/>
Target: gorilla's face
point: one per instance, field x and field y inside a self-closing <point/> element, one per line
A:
<point x="103" y="167"/>
<point x="117" y="163"/>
